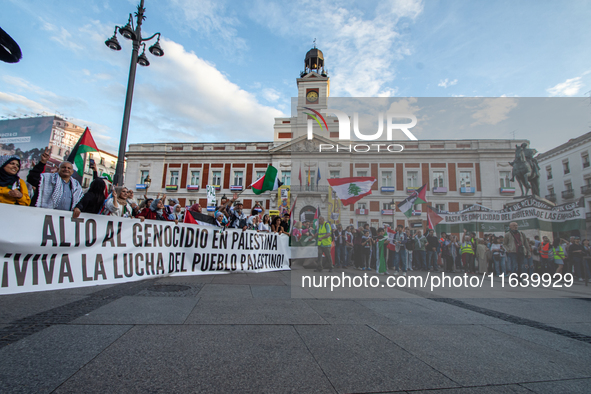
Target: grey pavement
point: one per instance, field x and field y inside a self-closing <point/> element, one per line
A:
<point x="256" y="333"/>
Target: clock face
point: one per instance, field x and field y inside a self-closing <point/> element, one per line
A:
<point x="312" y="96"/>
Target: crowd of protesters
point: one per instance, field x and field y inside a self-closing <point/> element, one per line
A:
<point x="365" y="248"/>
<point x="371" y="249"/>
<point x="61" y="191"/>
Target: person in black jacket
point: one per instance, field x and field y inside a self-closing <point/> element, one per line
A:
<point x="432" y="245"/>
<point x="34" y="176"/>
<point x="93" y="200"/>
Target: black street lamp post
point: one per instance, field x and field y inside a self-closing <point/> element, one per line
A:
<point x="135" y="35"/>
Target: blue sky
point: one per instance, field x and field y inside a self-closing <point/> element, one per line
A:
<point x="230" y="66"/>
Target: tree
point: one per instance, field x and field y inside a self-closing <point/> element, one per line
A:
<point x="354" y="189"/>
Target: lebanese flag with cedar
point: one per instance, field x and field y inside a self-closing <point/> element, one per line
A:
<point x="351" y="190"/>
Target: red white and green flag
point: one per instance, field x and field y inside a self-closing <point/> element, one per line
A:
<point x="351" y="190"/>
<point x="268" y="182"/>
<point x="417" y="197"/>
<point x="84" y="145"/>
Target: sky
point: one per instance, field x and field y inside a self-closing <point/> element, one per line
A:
<point x="230" y="67"/>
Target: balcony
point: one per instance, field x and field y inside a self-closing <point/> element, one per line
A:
<point x="387" y="189"/>
<point x="588" y="215"/>
<point x="172" y="188"/>
<point x="586" y="189"/>
<point x="236" y="188"/>
<point x="467" y="190"/>
<point x="308" y="189"/>
<point x="568" y="194"/>
<point x="412" y="189"/>
<point x="141" y="186"/>
<point x="439" y="190"/>
<point x="360" y="211"/>
<point x="551" y="197"/>
<point x="193" y="188"/>
<point x="507" y="190"/>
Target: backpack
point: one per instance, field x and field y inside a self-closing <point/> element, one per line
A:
<point x="410" y="244"/>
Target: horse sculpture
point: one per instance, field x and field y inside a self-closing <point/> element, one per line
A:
<point x="526" y="171"/>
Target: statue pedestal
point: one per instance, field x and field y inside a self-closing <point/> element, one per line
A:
<point x="542" y="199"/>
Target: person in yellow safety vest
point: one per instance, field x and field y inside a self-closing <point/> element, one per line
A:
<point x="558" y="256"/>
<point x="467" y="252"/>
<point x="324" y="243"/>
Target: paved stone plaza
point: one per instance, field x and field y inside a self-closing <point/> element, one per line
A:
<point x="245" y="333"/>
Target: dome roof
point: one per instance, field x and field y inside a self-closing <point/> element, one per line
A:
<point x="315" y="52"/>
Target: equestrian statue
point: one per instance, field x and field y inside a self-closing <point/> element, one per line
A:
<point x="526" y="170"/>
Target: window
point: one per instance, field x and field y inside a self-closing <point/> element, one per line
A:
<point x="387" y="178"/>
<point x="335" y="174"/>
<point x="260" y="174"/>
<point x="549" y="172"/>
<point x="438" y="177"/>
<point x="550" y="190"/>
<point x="192" y="202"/>
<point x="412" y="179"/>
<point x="216" y="178"/>
<point x="585" y="157"/>
<point x="286" y="177"/>
<point x="85" y="183"/>
<point x="238" y="178"/>
<point x="588" y="181"/>
<point x="310" y="173"/>
<point x="465" y="179"/>
<point x="361" y="173"/>
<point x="568" y="186"/>
<point x="566" y="167"/>
<point x="361" y="205"/>
<point x="102" y="160"/>
<point x="113" y="165"/>
<point x="440" y="207"/>
<point x="505" y="177"/>
<point x="174" y="178"/>
<point x="387" y="205"/>
<point x="143" y="176"/>
<point x="195" y="178"/>
<point x="466" y="206"/>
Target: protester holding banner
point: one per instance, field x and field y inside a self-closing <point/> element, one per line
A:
<point x="177" y="213"/>
<point x="93" y="200"/>
<point x="13" y="190"/>
<point x="265" y="225"/>
<point x="155" y="212"/>
<point x="59" y="190"/>
<point x="117" y="205"/>
<point x="276" y="225"/>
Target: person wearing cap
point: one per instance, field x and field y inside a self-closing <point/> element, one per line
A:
<point x="237" y="216"/>
<point x="285" y="223"/>
<point x="13" y="190"/>
<point x="172" y="202"/>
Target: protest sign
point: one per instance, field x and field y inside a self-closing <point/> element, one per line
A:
<point x="44" y="249"/>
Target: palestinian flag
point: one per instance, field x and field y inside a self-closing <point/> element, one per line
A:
<point x="381" y="255"/>
<point x="84" y="145"/>
<point x="199" y="219"/>
<point x="316" y="216"/>
<point x="267" y="182"/>
<point x="433" y="218"/>
<point x="351" y="190"/>
<point x="417" y="197"/>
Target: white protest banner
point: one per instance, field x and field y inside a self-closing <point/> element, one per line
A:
<point x="42" y="249"/>
<point x="529" y="213"/>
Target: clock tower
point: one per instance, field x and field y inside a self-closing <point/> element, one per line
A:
<point x="313" y="91"/>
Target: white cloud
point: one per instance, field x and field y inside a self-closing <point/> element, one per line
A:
<point x="271" y="94"/>
<point x="360" y="50"/>
<point x="15" y="104"/>
<point x="493" y="110"/>
<point x="445" y="83"/>
<point x="193" y="101"/>
<point x="211" y="19"/>
<point x="570" y="87"/>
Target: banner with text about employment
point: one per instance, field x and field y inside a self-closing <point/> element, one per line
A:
<point x="42" y="249"/>
<point x="529" y="214"/>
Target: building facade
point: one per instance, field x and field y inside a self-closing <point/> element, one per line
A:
<point x="458" y="173"/>
<point x="565" y="174"/>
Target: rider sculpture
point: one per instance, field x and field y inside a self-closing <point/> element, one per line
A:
<point x="526" y="169"/>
